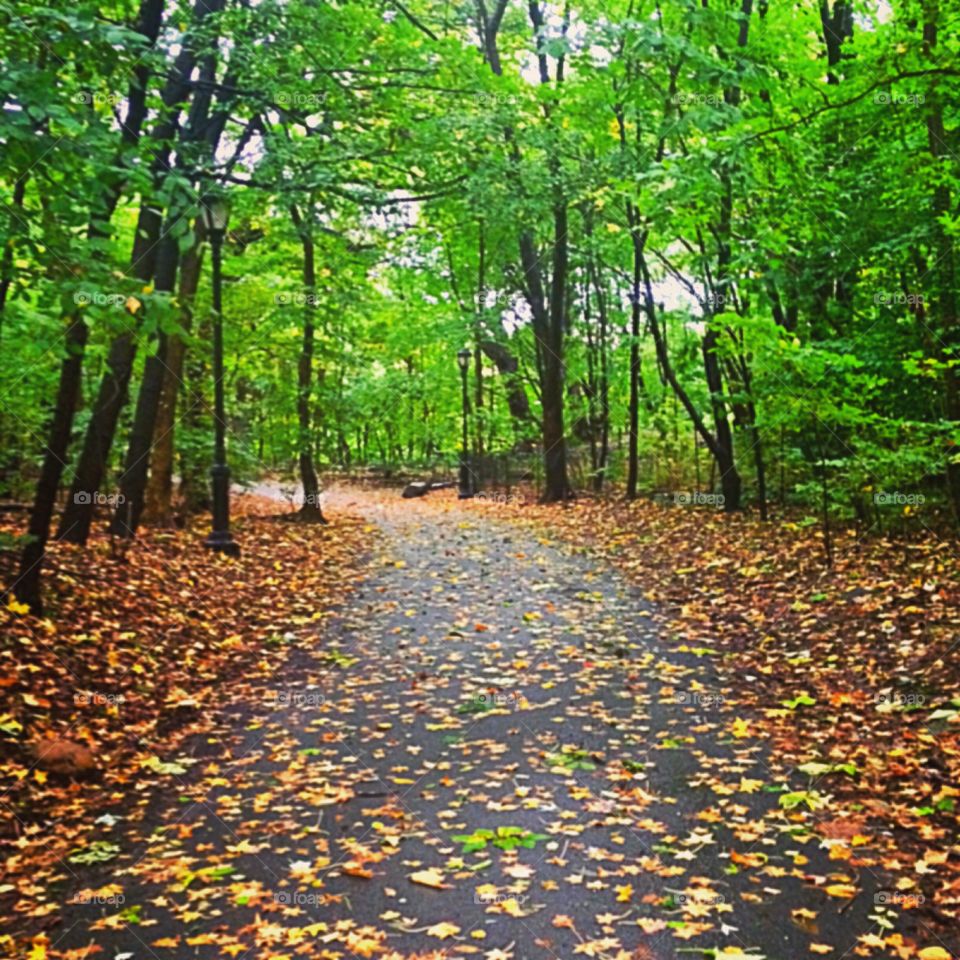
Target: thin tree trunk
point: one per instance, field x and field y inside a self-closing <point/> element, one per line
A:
<point x="6" y="267"/>
<point x="310" y="510"/>
<point x="633" y="415"/>
<point x="27" y="585"/>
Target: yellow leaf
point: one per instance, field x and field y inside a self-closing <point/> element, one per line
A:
<point x="443" y="930"/>
<point x="845" y="890"/>
<point x="429" y="878"/>
<point x="624" y="893"/>
<point x="39" y="949"/>
<point x="740" y="728"/>
<point x="933" y="953"/>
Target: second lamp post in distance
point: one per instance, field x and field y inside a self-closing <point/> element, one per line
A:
<point x="216" y="214"/>
<point x="465" y="491"/>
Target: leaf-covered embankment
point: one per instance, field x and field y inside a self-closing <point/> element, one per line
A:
<point x="138" y="651"/>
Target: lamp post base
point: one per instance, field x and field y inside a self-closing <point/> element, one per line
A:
<point x="222" y="542"/>
<point x="465" y="487"/>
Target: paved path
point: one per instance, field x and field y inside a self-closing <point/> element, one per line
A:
<point x="481" y="680"/>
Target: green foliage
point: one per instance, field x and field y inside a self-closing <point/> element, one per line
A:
<point x="504" y="838"/>
<point x="795" y="222"/>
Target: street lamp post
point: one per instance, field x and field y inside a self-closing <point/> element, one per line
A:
<point x="466" y="486"/>
<point x="216" y="214"/>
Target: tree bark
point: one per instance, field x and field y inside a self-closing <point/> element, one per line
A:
<point x="27" y="585"/>
<point x="310" y="509"/>
<point x="945" y="268"/>
<point x="633" y="415"/>
<point x="158" y="506"/>
<point x="549" y="315"/>
<point x="112" y="395"/>
<point x="133" y="480"/>
<point x="149" y="20"/>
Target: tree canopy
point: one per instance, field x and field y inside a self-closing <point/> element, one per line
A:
<point x="696" y="248"/>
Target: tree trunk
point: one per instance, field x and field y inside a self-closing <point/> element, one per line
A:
<point x="549" y="320"/>
<point x="27" y="585"/>
<point x="159" y="492"/>
<point x="556" y="485"/>
<point x="945" y="268"/>
<point x="133" y="481"/>
<point x="633" y="415"/>
<point x="148" y="24"/>
<point x="6" y="267"/>
<point x="112" y="395"/>
<point x="723" y="450"/>
<point x="507" y="366"/>
<point x="310" y="510"/>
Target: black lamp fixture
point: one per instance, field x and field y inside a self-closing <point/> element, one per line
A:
<point x="216" y="215"/>
<point x="465" y="491"/>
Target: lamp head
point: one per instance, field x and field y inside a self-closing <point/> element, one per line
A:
<point x="216" y="212"/>
<point x="463" y="359"/>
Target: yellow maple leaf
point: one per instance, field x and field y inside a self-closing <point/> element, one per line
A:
<point x="443" y="930"/>
<point x="740" y="728"/>
<point x="624" y="893"/>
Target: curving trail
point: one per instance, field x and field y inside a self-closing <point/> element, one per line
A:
<point x="490" y="685"/>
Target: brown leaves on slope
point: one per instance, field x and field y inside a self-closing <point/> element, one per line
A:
<point x="136" y="646"/>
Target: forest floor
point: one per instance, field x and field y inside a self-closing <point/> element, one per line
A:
<point x="443" y="729"/>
